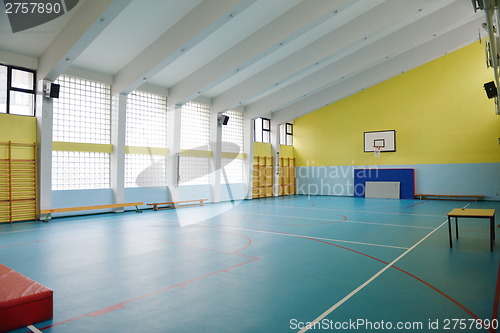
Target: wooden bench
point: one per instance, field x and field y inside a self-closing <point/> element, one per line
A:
<point x="176" y="204"/>
<point x="76" y="209"/>
<point x="449" y="197"/>
<point x="23" y="302"/>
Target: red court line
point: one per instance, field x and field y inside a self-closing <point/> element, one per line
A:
<point x="419" y="279"/>
<point x="420" y="203"/>
<point x="123" y="304"/>
<point x="395" y="267"/>
<point x="494" y="314"/>
<point x="249" y="240"/>
<point x="21" y="244"/>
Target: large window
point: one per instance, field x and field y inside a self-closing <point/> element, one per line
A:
<point x="82" y="111"/>
<point x="262" y="130"/>
<point x="194" y="163"/>
<point x="286" y="134"/>
<point x="17" y="91"/>
<point x="82" y="114"/>
<point x="195" y="126"/>
<point x="76" y="170"/>
<point x="146" y="128"/>
<point x="232" y="143"/>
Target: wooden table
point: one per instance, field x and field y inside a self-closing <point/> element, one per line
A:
<point x="473" y="213"/>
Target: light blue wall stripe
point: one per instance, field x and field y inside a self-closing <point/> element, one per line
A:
<point x="467" y="179"/>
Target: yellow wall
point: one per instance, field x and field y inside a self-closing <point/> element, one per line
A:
<point x="286" y="151"/>
<point x="21" y="129"/>
<point x="262" y="149"/>
<point x="439" y="110"/>
<point x="18" y="129"/>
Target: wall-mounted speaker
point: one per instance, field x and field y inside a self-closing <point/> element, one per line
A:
<point x="52" y="90"/>
<point x="223" y="120"/>
<point x="491" y="89"/>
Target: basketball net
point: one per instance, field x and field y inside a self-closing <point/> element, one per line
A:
<point x="376" y="151"/>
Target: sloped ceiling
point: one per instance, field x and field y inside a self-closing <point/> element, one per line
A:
<point x="285" y="57"/>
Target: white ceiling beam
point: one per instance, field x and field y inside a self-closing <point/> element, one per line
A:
<point x="15" y="59"/>
<point x="279" y="32"/>
<point x="202" y="21"/>
<point x="85" y="25"/>
<point x="385" y="70"/>
<point x="372" y="49"/>
<point x="310" y="54"/>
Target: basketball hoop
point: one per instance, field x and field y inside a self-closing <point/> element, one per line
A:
<point x="376" y="151"/>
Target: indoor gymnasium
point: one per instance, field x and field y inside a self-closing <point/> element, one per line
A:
<point x="249" y="166"/>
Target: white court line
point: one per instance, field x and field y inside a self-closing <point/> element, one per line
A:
<point x="33" y="329"/>
<point x="388" y="224"/>
<point x="367" y="282"/>
<point x="330" y="220"/>
<point x="353" y="210"/>
<point x="304" y="236"/>
<point x="289" y="217"/>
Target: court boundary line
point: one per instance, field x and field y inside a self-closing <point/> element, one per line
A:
<point x="390" y="225"/>
<point x="301" y="236"/>
<point x="335" y="221"/>
<point x="409" y="274"/>
<point x="123" y="304"/>
<point x="33" y="329"/>
<point x="370" y="280"/>
<point x="352" y="210"/>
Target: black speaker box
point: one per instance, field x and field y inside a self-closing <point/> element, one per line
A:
<point x="54" y="90"/>
<point x="491" y="89"/>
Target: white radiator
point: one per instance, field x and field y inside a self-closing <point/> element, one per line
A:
<point x="386" y="190"/>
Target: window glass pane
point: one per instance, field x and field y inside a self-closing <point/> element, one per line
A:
<point x="194" y="170"/>
<point x="82" y="111"/>
<point x="266" y="136"/>
<point x="232" y="133"/>
<point x="282" y="135"/>
<point x="21" y="103"/>
<point x="73" y="170"/>
<point x="232" y="142"/>
<point x="258" y="130"/>
<point x="3" y="89"/>
<point x="266" y="124"/>
<point x="289" y="139"/>
<point x="195" y="126"/>
<point x="289" y="128"/>
<point x="146" y="127"/>
<point x="145" y="170"/>
<point x="82" y="114"/>
<point x="146" y="120"/>
<point x="195" y="134"/>
<point x="22" y="79"/>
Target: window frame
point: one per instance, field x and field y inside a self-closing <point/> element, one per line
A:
<point x="265" y="130"/>
<point x="11" y="88"/>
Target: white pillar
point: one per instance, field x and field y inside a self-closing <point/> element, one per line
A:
<point x="275" y="151"/>
<point x="45" y="119"/>
<point x="118" y="135"/>
<point x="174" y="140"/>
<point x="248" y="150"/>
<point x="216" y="147"/>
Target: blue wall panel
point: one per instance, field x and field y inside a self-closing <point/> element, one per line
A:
<point x="406" y="177"/>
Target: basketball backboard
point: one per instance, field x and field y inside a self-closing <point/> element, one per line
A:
<point x="386" y="140"/>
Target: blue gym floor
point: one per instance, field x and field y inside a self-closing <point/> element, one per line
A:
<point x="270" y="265"/>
